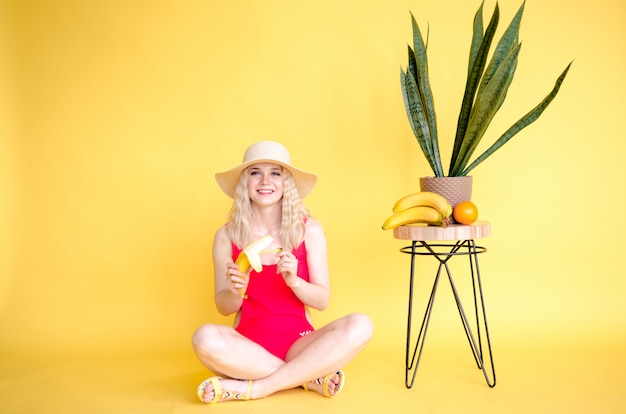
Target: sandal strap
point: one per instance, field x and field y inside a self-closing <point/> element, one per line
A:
<point x="323" y="381"/>
<point x="221" y="394"/>
<point x="248" y="391"/>
<point x="217" y="389"/>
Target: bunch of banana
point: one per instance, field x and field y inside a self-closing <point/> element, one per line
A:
<point x="422" y="207"/>
<point x="251" y="256"/>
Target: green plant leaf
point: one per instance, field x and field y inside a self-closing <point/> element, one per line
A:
<point x="415" y="113"/>
<point x="412" y="65"/>
<point x="471" y="86"/>
<point x="507" y="42"/>
<point x="425" y="93"/>
<point x="526" y="120"/>
<point x="477" y="38"/>
<point x="485" y="109"/>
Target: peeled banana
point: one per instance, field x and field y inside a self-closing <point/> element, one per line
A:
<point x="424" y="198"/>
<point x="422" y="207"/>
<point x="251" y="256"/>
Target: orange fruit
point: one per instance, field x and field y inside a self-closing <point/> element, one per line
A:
<point x="465" y="212"/>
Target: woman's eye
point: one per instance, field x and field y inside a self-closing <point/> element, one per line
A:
<point x="276" y="173"/>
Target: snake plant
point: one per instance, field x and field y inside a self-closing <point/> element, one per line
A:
<point x="485" y="90"/>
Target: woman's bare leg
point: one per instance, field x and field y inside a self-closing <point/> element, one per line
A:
<point x="318" y="354"/>
<point x="224" y="351"/>
<point x="227" y="353"/>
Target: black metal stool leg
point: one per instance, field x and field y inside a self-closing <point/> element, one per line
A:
<point x="476" y="282"/>
<point x="412" y="363"/>
<point x="476" y="343"/>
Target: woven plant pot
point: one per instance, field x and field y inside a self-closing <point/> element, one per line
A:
<point x="454" y="189"/>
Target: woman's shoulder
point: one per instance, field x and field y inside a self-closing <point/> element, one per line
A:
<point x="313" y="228"/>
<point x="311" y="222"/>
<point x="221" y="231"/>
<point x="221" y="236"/>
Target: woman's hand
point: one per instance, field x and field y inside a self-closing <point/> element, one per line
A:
<point x="288" y="267"/>
<point x="236" y="281"/>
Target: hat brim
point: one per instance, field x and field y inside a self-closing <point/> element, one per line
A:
<point x="228" y="180"/>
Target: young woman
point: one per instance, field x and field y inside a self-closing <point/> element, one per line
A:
<point x="273" y="345"/>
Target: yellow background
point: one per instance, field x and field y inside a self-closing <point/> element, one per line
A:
<point x="115" y="115"/>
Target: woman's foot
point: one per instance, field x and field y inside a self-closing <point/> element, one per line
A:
<point x="216" y="389"/>
<point x="328" y="386"/>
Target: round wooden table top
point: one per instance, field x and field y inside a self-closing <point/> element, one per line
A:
<point x="476" y="230"/>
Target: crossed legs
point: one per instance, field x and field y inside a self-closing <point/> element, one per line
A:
<point x="227" y="353"/>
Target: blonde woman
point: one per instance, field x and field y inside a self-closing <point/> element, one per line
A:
<point x="273" y="345"/>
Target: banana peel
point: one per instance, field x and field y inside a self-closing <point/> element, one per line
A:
<point x="251" y="256"/>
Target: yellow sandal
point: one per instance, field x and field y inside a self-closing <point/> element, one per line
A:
<point x="221" y="395"/>
<point x="324" y="383"/>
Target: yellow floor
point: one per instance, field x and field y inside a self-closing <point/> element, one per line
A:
<point x="550" y="378"/>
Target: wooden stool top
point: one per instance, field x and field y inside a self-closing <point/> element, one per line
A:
<point x="417" y="232"/>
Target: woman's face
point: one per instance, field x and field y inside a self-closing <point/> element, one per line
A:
<point x="265" y="183"/>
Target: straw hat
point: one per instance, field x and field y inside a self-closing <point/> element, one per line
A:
<point x="266" y="151"/>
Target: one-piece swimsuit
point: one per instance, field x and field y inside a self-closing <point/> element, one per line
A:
<point x="272" y="315"/>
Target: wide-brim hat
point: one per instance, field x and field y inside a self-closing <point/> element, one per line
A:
<point x="266" y="151"/>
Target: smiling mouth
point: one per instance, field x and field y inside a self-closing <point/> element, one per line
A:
<point x="265" y="192"/>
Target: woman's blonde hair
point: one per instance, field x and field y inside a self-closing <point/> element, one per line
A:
<point x="293" y="214"/>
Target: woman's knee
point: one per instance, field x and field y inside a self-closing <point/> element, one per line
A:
<point x="208" y="339"/>
<point x="360" y="328"/>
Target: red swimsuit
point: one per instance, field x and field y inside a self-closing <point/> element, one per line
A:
<point x="272" y="315"/>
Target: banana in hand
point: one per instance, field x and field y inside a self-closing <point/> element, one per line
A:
<point x="251" y="256"/>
